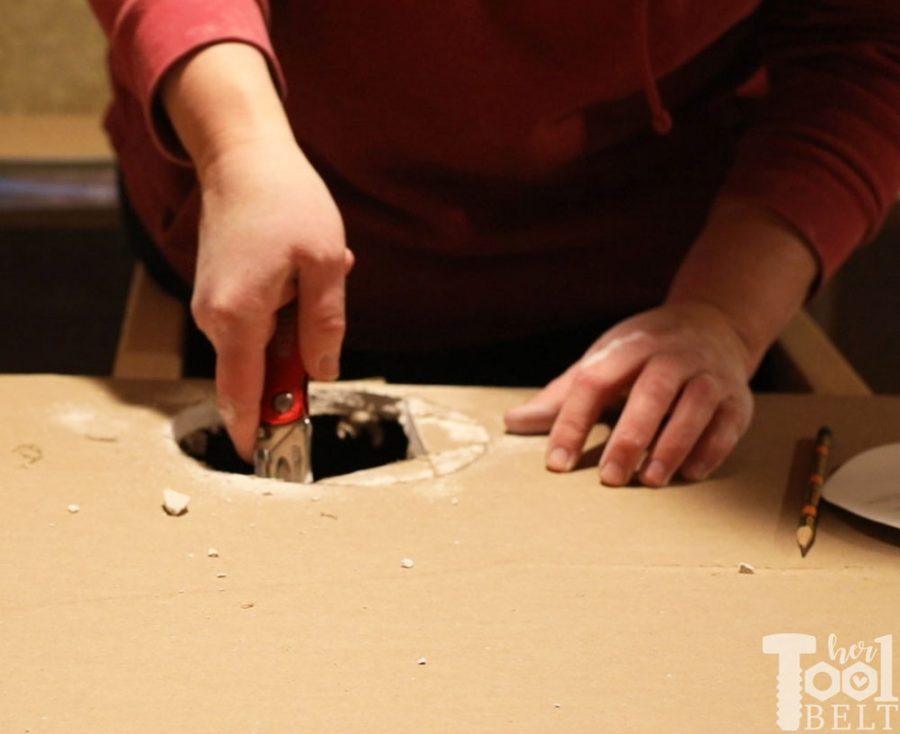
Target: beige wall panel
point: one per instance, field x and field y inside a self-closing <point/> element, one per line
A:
<point x="51" y="58"/>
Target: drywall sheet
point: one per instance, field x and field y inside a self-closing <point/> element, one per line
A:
<point x="476" y="594"/>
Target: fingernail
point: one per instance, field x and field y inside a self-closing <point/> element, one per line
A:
<point x="329" y="367"/>
<point x="656" y="473"/>
<point x="559" y="460"/>
<point x="612" y="473"/>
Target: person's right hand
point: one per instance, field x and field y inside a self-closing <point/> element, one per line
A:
<point x="270" y="232"/>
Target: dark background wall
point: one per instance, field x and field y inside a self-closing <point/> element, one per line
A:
<point x="62" y="295"/>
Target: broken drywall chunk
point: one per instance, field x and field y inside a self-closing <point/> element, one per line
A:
<point x="421" y="661"/>
<point x="746" y="568"/>
<point x="212" y="553"/>
<point x="221" y="575"/>
<point x="73" y="508"/>
<point x="407" y="563"/>
<point x="175" y="503"/>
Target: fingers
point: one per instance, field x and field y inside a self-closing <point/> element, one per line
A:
<point x="240" y="366"/>
<point x="695" y="408"/>
<point x="677" y="417"/>
<point x="537" y="414"/>
<point x="698" y="435"/>
<point x="592" y="389"/>
<point x="650" y="400"/>
<point x="719" y="439"/>
<point x="322" y="319"/>
<point x="239" y="389"/>
<point x="239" y="323"/>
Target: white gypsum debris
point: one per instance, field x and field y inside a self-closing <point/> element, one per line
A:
<point x="746" y="568"/>
<point x="407" y="563"/>
<point x="175" y="503"/>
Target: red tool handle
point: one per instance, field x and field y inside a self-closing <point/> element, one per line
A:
<point x="284" y="398"/>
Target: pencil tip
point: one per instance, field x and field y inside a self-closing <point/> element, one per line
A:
<point x="805" y="537"/>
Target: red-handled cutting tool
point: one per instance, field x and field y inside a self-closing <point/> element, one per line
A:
<point x="284" y="441"/>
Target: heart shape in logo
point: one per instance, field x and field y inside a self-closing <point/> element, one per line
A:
<point x="859" y="680"/>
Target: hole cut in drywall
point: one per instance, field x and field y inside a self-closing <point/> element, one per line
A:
<point x="362" y="433"/>
<point x="360" y="437"/>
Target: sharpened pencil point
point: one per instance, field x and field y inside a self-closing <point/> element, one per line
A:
<point x="806" y="532"/>
<point x="805" y="535"/>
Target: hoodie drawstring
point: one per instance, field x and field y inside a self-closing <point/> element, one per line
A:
<point x="662" y="119"/>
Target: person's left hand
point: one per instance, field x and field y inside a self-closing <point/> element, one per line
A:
<point x="685" y="369"/>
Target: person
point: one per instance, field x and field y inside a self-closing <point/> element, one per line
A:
<point x="663" y="184"/>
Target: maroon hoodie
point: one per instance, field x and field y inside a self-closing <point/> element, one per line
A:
<point x="505" y="168"/>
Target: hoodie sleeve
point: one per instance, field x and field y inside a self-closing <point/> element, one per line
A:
<point x="146" y="37"/>
<point x="825" y="152"/>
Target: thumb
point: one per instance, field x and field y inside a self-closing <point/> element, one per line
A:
<point x="322" y="317"/>
<point x="537" y="414"/>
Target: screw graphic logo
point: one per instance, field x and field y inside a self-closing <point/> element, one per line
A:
<point x="853" y="690"/>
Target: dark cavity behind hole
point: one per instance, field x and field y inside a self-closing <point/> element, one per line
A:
<point x="334" y="451"/>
